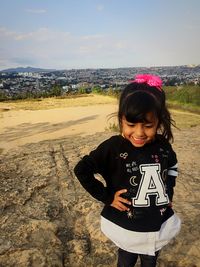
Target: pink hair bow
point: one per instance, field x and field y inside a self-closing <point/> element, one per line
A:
<point x="149" y="79"/>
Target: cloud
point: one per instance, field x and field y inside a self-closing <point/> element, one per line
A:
<point x="41" y="35"/>
<point x="100" y="8"/>
<point x="92" y="37"/>
<point x="50" y="48"/>
<point x="58" y="49"/>
<point x="5" y="33"/>
<point x="36" y="11"/>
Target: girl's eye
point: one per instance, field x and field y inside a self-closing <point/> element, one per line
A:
<point x="148" y="125"/>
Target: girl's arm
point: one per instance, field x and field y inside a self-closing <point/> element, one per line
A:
<point x="84" y="171"/>
<point x="102" y="161"/>
<point x="172" y="173"/>
<point x="171" y="181"/>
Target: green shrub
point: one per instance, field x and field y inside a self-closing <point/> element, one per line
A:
<point x="96" y="89"/>
<point x="183" y="94"/>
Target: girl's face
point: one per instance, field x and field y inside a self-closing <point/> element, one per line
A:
<point x="140" y="133"/>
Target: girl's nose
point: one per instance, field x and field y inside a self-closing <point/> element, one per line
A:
<point x="139" y="130"/>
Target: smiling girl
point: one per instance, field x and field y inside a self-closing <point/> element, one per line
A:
<point x="139" y="167"/>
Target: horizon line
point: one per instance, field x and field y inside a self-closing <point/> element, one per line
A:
<point x="85" y="68"/>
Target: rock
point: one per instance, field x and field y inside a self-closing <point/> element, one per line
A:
<point x="47" y="219"/>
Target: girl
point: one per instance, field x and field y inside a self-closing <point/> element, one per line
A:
<point x="139" y="167"/>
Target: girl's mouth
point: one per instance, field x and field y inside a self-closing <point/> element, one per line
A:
<point x="138" y="141"/>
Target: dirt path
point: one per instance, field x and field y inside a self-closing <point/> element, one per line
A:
<point x="31" y="126"/>
<point x="20" y="127"/>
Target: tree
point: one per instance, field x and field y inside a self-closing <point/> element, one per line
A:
<point x="56" y="90"/>
<point x="96" y="89"/>
<point x="3" y="96"/>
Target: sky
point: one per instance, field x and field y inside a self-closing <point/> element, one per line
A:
<point x="74" y="34"/>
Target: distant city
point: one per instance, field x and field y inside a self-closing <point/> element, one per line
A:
<point x="24" y="81"/>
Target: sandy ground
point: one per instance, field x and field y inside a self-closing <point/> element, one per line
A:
<point x="19" y="127"/>
<point x="47" y="217"/>
<point x="28" y="121"/>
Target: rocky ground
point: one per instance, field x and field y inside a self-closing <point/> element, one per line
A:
<point x="48" y="220"/>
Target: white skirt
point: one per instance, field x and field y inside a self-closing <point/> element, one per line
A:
<point x="141" y="242"/>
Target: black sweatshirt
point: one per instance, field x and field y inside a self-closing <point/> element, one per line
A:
<point x="148" y="173"/>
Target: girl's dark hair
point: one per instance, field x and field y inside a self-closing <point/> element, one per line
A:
<point x="138" y="99"/>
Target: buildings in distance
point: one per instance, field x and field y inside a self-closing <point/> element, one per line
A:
<point x="15" y="82"/>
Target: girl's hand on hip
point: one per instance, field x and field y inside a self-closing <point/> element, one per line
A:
<point x="170" y="204"/>
<point x="119" y="201"/>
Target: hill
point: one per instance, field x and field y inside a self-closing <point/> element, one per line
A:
<point x="26" y="69"/>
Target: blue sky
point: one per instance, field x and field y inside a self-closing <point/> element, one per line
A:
<point x="66" y="34"/>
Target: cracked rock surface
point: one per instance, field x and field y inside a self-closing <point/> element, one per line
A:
<point x="47" y="219"/>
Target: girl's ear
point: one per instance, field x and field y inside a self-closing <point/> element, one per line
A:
<point x="159" y="127"/>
